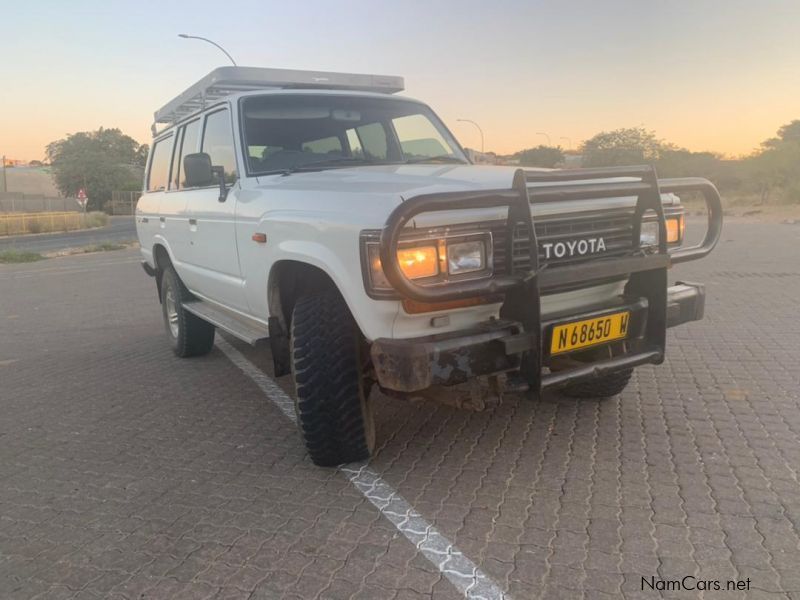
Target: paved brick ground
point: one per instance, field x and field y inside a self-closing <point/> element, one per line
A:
<point x="127" y="473"/>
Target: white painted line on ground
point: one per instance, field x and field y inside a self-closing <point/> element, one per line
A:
<point x="465" y="575"/>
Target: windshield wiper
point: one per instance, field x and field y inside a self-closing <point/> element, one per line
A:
<point x="313" y="166"/>
<point x="441" y="158"/>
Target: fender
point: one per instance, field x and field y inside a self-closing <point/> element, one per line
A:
<point x="370" y="319"/>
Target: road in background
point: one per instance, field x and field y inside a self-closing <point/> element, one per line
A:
<point x="126" y="472"/>
<point x="119" y="230"/>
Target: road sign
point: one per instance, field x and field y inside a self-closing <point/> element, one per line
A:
<point x="82" y="197"/>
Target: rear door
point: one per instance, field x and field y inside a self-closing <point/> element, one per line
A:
<point x="213" y="260"/>
<point x="155" y="186"/>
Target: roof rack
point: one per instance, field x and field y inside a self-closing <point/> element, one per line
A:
<point x="225" y="81"/>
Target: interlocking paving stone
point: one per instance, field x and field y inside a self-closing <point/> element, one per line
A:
<point x="127" y="473"/>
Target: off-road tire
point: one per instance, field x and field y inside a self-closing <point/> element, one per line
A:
<point x="189" y="335"/>
<point x="601" y="387"/>
<point x="333" y="413"/>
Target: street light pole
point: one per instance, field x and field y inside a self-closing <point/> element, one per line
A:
<point x="476" y="125"/>
<point x="569" y="141"/>
<point x="549" y="143"/>
<point x="5" y="186"/>
<point x="213" y="43"/>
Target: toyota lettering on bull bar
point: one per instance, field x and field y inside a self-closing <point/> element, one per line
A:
<point x="571" y="248"/>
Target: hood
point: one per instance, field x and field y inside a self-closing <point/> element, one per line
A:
<point x="399" y="181"/>
<point x="369" y="193"/>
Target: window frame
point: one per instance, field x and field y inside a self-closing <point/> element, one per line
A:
<point x="165" y="136"/>
<point x="181" y="131"/>
<point x="391" y="136"/>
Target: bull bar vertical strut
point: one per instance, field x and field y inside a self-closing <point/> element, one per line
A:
<point x="521" y="287"/>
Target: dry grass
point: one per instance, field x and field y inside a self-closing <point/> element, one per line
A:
<point x="22" y="223"/>
<point x="8" y="257"/>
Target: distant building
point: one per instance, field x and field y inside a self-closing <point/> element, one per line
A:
<point x="481" y="158"/>
<point x="573" y="161"/>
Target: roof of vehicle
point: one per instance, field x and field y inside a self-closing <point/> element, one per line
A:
<point x="225" y="81"/>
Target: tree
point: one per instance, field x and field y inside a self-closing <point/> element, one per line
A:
<point x="98" y="161"/>
<point x="788" y="133"/>
<point x="541" y="156"/>
<point x="631" y="146"/>
<point x="776" y="166"/>
<point x="679" y="162"/>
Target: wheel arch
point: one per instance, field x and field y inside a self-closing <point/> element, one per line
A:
<point x="288" y="280"/>
<point x="161" y="260"/>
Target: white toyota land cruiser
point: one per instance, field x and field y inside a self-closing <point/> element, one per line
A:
<point x="346" y="225"/>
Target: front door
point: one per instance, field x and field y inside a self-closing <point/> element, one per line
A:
<point x="213" y="260"/>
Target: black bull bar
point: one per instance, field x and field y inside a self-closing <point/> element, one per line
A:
<point x="647" y="271"/>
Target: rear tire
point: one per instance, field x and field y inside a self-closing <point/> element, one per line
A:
<point x="601" y="387"/>
<point x="189" y="335"/>
<point x="333" y="412"/>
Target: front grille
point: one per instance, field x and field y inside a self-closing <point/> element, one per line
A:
<point x="615" y="228"/>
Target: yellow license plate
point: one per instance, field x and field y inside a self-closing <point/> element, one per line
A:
<point x="582" y="334"/>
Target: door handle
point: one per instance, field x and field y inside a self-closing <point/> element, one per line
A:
<point x="192" y="221"/>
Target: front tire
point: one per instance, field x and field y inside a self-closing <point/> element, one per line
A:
<point x="188" y="334"/>
<point x="333" y="412"/>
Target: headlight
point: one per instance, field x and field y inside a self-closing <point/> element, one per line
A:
<point x="419" y="261"/>
<point x="676" y="225"/>
<point x="466" y="257"/>
<point x="648" y="235"/>
<point x="434" y="260"/>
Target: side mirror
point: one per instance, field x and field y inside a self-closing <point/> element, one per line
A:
<point x="197" y="170"/>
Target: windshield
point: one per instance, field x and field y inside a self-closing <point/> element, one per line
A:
<point x="286" y="132"/>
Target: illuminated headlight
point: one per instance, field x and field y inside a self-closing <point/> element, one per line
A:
<point x="648" y="235"/>
<point x="431" y="261"/>
<point x="466" y="257"/>
<point x="675" y="225"/>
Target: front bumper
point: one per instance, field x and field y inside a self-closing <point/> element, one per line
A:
<point x="410" y="365"/>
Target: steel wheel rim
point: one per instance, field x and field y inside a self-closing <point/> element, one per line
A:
<point x="172" y="313"/>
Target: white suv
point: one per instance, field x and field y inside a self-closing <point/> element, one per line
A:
<point x="345" y="224"/>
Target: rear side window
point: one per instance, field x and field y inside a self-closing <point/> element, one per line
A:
<point x="176" y="157"/>
<point x="218" y="143"/>
<point x="188" y="145"/>
<point x="158" y="175"/>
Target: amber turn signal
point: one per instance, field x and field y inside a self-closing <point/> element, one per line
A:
<point x="675" y="229"/>
<point x="413" y="307"/>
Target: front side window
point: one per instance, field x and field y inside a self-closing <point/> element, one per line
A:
<point x="286" y="132"/>
<point x="218" y="143"/>
<point x="158" y="175"/>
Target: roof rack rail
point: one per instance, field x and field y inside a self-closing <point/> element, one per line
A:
<point x="224" y="81"/>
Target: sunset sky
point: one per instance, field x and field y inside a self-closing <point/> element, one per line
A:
<point x="707" y="75"/>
